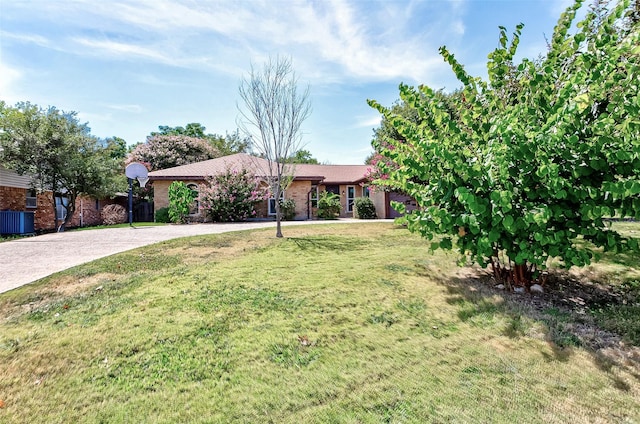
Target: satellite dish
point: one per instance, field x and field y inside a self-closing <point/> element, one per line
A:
<point x="136" y="170"/>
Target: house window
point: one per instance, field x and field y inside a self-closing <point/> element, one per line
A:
<point x="195" y="206"/>
<point x="32" y="199"/>
<point x="365" y="192"/>
<point x="61" y="210"/>
<point x="351" y="196"/>
<point x="272" y="204"/>
<point x="335" y="189"/>
<point x="314" y="196"/>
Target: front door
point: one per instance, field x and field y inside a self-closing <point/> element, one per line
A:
<point x="351" y="196"/>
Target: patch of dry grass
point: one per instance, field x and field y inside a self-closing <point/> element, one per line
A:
<point x="353" y="323"/>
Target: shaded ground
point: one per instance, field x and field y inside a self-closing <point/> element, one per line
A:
<point x="575" y="310"/>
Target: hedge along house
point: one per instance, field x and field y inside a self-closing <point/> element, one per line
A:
<point x="17" y="195"/>
<point x="347" y="181"/>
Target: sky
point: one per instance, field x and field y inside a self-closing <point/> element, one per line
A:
<point x="129" y="66"/>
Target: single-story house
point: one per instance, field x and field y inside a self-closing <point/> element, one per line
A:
<point x="348" y="181"/>
<point x="17" y="195"/>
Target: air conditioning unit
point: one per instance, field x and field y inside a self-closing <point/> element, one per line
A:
<point x="16" y="222"/>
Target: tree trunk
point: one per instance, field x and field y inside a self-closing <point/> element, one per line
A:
<point x="511" y="274"/>
<point x="278" y="219"/>
<point x="55" y="212"/>
<point x="70" y="208"/>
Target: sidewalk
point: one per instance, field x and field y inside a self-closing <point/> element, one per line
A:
<point x="29" y="259"/>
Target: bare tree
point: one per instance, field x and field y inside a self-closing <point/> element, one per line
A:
<point x="273" y="112"/>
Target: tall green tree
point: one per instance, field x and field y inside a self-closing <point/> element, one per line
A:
<point x="59" y="154"/>
<point x="526" y="163"/>
<point x="303" y="156"/>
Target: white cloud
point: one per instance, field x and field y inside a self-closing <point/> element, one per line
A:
<point x="8" y="79"/>
<point x="113" y="48"/>
<point x="368" y="121"/>
<point x="126" y="108"/>
<point x="330" y="41"/>
<point x="26" y="38"/>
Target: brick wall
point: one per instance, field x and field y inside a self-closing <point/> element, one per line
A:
<point x="161" y="197"/>
<point x="12" y="198"/>
<point x="298" y="191"/>
<point x="87" y="212"/>
<point x="161" y="194"/>
<point x="87" y="209"/>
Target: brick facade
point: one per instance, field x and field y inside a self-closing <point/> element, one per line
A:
<point x="298" y="191"/>
<point x="87" y="208"/>
<point x="13" y="199"/>
<point x="358" y="191"/>
<point x="161" y="194"/>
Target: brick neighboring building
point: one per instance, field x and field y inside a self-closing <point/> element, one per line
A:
<point x="16" y="195"/>
<point x="344" y="180"/>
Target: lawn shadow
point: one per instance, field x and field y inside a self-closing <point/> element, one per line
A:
<point x="565" y="330"/>
<point x="326" y="243"/>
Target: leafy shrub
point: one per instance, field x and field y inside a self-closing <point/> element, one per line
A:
<point x="113" y="214"/>
<point x="364" y="208"/>
<point x="512" y="170"/>
<point x="162" y="215"/>
<point x="231" y="196"/>
<point x="181" y="198"/>
<point x="288" y="209"/>
<point x="328" y="205"/>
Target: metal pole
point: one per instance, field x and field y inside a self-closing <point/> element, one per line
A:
<point x="130" y="202"/>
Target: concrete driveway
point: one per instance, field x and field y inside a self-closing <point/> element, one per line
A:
<point x="29" y="259"/>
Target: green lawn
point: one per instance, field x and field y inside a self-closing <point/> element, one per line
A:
<point x="125" y="225"/>
<point x="334" y="323"/>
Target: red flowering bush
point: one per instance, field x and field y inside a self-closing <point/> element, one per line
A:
<point x="231" y="196"/>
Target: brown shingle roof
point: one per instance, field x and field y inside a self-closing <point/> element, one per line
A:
<point x="328" y="174"/>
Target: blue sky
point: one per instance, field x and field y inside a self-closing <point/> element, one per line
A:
<point x="129" y="66"/>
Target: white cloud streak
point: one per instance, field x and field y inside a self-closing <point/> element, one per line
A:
<point x="330" y="41"/>
<point x="126" y="108"/>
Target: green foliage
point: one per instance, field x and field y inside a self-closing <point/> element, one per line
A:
<point x="364" y="208"/>
<point x="328" y="205"/>
<point x="59" y="153"/>
<point x="181" y="198"/>
<point x="621" y="319"/>
<point x="294" y="353"/>
<point x="162" y="215"/>
<point x="514" y="170"/>
<point x="303" y="156"/>
<point x="288" y="209"/>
